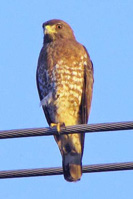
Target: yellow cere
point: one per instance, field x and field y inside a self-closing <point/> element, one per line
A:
<point x="49" y="29"/>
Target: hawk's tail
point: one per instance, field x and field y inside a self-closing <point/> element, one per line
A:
<point x="72" y="167"/>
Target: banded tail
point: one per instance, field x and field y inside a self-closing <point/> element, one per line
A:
<point x="72" y="167"/>
<point x="71" y="147"/>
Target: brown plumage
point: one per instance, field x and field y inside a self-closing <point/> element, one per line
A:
<point x="65" y="84"/>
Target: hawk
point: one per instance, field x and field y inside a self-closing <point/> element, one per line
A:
<point x="65" y="85"/>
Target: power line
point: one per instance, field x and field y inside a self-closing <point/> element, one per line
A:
<point x="58" y="170"/>
<point x="82" y="128"/>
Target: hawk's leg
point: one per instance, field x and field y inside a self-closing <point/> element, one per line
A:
<point x="58" y="126"/>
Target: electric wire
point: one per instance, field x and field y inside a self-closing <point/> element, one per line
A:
<point x="82" y="128"/>
<point x="58" y="170"/>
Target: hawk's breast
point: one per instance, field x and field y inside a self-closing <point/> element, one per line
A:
<point x="60" y="80"/>
<point x="67" y="78"/>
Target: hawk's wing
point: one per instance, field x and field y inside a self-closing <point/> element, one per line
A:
<point x="87" y="90"/>
<point x="86" y="94"/>
<point x="42" y="81"/>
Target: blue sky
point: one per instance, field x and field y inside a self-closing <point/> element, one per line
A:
<point x="106" y="29"/>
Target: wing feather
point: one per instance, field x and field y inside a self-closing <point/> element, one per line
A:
<point x="86" y="94"/>
<point x="43" y="80"/>
<point x="87" y="90"/>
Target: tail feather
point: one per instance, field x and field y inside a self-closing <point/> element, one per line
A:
<point x="72" y="167"/>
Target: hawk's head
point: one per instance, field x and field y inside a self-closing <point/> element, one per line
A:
<point x="57" y="29"/>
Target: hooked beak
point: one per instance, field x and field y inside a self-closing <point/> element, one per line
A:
<point x="49" y="29"/>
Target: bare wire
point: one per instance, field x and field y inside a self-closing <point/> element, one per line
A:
<point x="82" y="128"/>
<point x="58" y="170"/>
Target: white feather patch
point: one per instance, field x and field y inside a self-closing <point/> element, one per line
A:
<point x="46" y="100"/>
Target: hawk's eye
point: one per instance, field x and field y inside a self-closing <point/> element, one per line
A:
<point x="59" y="26"/>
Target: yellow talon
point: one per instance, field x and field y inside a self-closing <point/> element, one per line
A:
<point x="57" y="125"/>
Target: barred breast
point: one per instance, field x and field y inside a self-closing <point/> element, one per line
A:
<point x="68" y="86"/>
<point x="61" y="83"/>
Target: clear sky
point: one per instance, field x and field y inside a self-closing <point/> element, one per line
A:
<point x="106" y="29"/>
